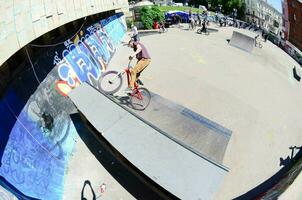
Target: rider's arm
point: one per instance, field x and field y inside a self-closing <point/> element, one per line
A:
<point x="139" y="49"/>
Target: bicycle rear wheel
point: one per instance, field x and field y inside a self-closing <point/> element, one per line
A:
<point x="110" y="82"/>
<point x="140" y="99"/>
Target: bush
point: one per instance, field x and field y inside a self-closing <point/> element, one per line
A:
<point x="149" y="15"/>
<point x="129" y="22"/>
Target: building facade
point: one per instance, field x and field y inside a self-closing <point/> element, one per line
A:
<point x="285" y="22"/>
<point x="23" y="21"/>
<point x="293" y="15"/>
<point x="264" y="15"/>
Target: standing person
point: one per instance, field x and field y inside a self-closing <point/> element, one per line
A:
<point x="179" y="20"/>
<point x="162" y="26"/>
<point x="266" y="36"/>
<point x="204" y="26"/>
<point x="143" y="60"/>
<point x="134" y="32"/>
<point x="198" y="19"/>
<point x="192" y="22"/>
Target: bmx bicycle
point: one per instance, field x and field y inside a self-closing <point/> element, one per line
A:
<point x="203" y="30"/>
<point x="111" y="82"/>
<point x="257" y="42"/>
<point x="162" y="29"/>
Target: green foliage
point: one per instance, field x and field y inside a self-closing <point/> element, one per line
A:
<point x="149" y="15"/>
<point x="129" y="22"/>
<point x="228" y="5"/>
<point x="197" y="3"/>
<point x="180" y="8"/>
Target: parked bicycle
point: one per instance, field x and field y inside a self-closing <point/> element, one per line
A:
<point x="203" y="29"/>
<point x="257" y="42"/>
<point x="111" y="81"/>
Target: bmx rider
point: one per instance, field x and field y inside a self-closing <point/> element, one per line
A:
<point x="143" y="60"/>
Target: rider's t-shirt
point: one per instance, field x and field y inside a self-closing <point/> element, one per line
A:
<point x="134" y="30"/>
<point x="143" y="54"/>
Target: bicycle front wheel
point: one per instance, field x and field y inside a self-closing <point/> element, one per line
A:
<point x="140" y="99"/>
<point x="110" y="82"/>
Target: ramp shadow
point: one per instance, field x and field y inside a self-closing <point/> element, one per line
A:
<point x="131" y="178"/>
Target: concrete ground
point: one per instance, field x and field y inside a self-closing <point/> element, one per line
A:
<point x="84" y="166"/>
<point x="254" y="95"/>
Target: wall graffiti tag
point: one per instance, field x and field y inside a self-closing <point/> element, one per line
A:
<point x="85" y="59"/>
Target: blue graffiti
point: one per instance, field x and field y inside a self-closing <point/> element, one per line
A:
<point x="91" y="55"/>
<point x="30" y="164"/>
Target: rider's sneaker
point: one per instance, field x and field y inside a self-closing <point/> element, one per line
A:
<point x="128" y="90"/>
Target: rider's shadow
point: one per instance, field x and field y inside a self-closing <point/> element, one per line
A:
<point x="124" y="100"/>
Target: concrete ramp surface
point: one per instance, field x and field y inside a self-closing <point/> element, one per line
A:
<point x="242" y="41"/>
<point x="192" y="130"/>
<point x="173" y="167"/>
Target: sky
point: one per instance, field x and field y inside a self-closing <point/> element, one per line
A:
<point x="276" y="4"/>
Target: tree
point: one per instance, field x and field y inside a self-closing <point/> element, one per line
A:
<point x="229" y="5"/>
<point x="149" y="15"/>
<point x="197" y="3"/>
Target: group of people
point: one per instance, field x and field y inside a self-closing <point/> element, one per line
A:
<point x="160" y="26"/>
<point x="197" y="20"/>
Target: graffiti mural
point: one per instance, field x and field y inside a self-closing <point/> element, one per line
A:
<point x="42" y="136"/>
<point x="36" y="154"/>
<point x="85" y="58"/>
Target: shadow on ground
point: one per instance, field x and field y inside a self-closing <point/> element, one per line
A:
<point x="133" y="180"/>
<point x="277" y="184"/>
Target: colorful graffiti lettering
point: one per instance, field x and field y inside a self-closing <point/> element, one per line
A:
<point x="84" y="59"/>
<point x="36" y="155"/>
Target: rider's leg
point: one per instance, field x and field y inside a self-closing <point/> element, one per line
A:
<point x="140" y="66"/>
<point x="135" y="38"/>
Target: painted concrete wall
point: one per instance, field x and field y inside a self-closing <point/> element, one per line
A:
<point x="35" y="157"/>
<point x="22" y="21"/>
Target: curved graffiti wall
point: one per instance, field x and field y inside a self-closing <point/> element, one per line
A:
<point x="36" y="132"/>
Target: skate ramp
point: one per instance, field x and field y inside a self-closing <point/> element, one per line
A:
<point x="242" y="41"/>
<point x="180" y="171"/>
<point x="187" y="127"/>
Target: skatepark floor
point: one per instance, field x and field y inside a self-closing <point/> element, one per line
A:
<point x="252" y="94"/>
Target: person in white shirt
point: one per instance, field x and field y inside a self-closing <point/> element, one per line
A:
<point x="134" y="33"/>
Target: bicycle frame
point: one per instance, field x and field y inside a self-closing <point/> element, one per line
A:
<point x="136" y="92"/>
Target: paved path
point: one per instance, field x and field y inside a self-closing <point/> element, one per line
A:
<point x="254" y="95"/>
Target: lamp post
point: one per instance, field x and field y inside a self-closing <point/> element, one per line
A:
<point x="234" y="13"/>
